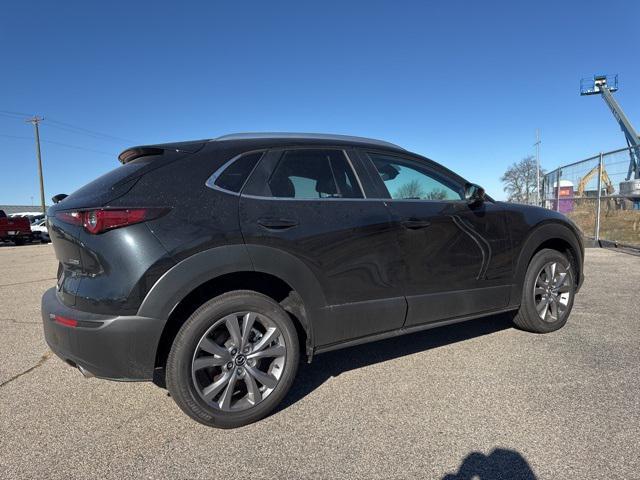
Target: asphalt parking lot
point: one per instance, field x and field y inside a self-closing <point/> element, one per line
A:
<point x="479" y="398"/>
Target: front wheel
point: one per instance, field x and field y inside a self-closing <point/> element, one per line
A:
<point x="233" y="360"/>
<point x="547" y="293"/>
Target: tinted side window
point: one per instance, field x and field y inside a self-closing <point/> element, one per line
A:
<point x="313" y="174"/>
<point x="233" y="177"/>
<point x="405" y="180"/>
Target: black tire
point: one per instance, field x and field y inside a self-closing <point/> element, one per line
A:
<point x="18" y="242"/>
<point x="527" y="317"/>
<point x="180" y="381"/>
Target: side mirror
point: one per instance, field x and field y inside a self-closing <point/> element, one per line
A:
<point x="474" y="194"/>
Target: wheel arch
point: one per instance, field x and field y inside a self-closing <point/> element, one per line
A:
<point x="210" y="273"/>
<point x="555" y="235"/>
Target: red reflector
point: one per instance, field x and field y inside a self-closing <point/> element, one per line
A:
<point x="69" y="322"/>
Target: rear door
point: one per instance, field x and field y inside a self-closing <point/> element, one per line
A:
<point x="456" y="256"/>
<point x="309" y="203"/>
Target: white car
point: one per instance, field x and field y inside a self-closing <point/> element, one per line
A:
<point x="32" y="216"/>
<point x="39" y="229"/>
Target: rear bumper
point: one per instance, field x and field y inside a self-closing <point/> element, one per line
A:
<point x="116" y="348"/>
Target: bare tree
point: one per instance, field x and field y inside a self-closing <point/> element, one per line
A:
<point x="520" y="181"/>
<point x="411" y="189"/>
<point x="437" y="194"/>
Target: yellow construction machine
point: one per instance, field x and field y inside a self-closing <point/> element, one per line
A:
<point x="604" y="179"/>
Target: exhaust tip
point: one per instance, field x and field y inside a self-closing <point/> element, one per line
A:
<point x="85" y="373"/>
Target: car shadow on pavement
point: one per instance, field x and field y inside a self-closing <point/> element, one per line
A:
<point x="500" y="464"/>
<point x="332" y="364"/>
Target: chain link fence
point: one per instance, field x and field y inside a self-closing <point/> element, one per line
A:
<point x="597" y="196"/>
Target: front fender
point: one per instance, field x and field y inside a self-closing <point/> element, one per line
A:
<point x="550" y="230"/>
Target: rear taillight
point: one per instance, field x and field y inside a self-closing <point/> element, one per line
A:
<point x="97" y="221"/>
<point x="101" y="220"/>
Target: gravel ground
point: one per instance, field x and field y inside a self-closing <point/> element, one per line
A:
<point x="479" y="398"/>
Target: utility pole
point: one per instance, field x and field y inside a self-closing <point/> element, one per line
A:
<point x="35" y="121"/>
<point x="537" y="145"/>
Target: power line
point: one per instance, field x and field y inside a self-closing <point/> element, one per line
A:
<point x="96" y="135"/>
<point x="52" y="142"/>
<point x="68" y="145"/>
<point x="18" y="114"/>
<point x="67" y="126"/>
<point x="87" y="131"/>
<point x="22" y="137"/>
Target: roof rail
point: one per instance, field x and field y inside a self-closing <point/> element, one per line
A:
<point x="303" y="136"/>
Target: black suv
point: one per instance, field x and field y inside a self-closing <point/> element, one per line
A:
<point x="207" y="266"/>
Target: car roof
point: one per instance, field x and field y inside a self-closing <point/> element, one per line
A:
<point x="261" y="140"/>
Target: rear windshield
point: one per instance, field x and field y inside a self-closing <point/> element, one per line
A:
<point x="109" y="179"/>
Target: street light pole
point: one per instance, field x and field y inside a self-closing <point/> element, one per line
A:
<point x="35" y="121"/>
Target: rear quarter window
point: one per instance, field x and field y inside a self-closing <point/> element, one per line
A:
<point x="234" y="174"/>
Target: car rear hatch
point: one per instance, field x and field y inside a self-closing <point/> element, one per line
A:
<point x="64" y="220"/>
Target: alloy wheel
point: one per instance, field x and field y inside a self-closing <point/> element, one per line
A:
<point x="552" y="291"/>
<point x="238" y="361"/>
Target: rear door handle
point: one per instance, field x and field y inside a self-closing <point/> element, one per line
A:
<point x="277" y="223"/>
<point x="415" y="224"/>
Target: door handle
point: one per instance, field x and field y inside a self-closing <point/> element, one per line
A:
<point x="277" y="223"/>
<point x="415" y="224"/>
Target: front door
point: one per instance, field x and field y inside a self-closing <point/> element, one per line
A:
<point x="310" y="204"/>
<point x="456" y="255"/>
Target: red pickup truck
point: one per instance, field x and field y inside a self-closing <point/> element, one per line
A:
<point x="16" y="229"/>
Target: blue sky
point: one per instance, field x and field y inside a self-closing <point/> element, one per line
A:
<point x="465" y="83"/>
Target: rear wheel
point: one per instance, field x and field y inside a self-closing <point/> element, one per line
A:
<point x="547" y="293"/>
<point x="233" y="360"/>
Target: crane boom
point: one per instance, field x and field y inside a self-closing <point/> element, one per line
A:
<point x="605" y="85"/>
<point x="629" y="132"/>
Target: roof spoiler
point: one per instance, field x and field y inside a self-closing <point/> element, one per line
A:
<point x="142" y="151"/>
<point x="137" y="152"/>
